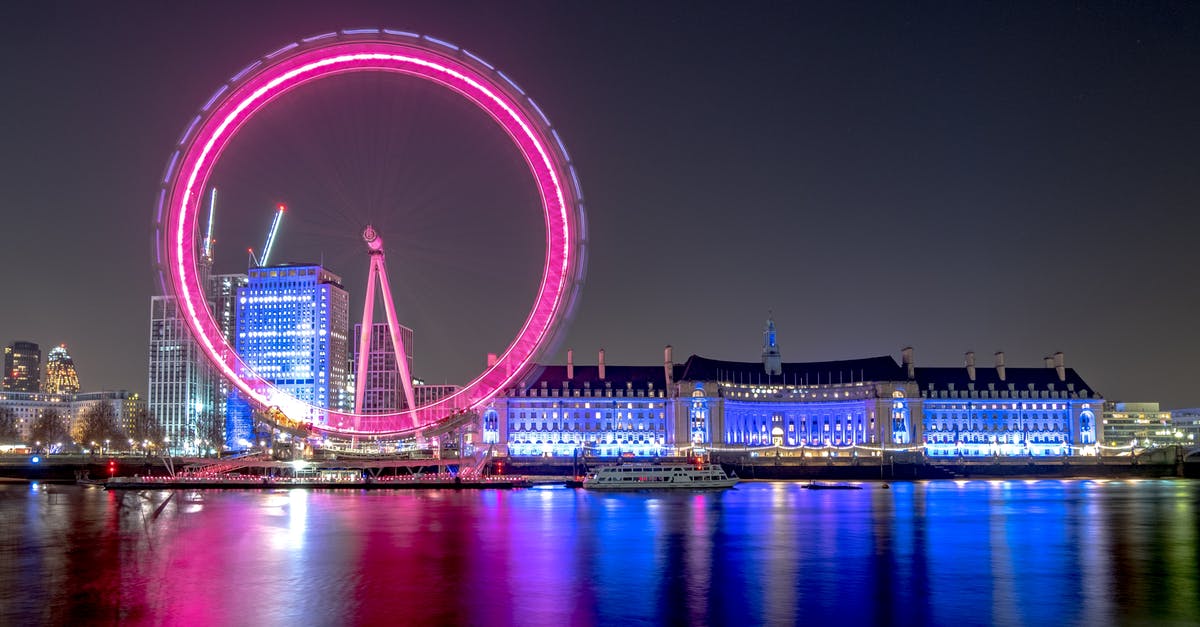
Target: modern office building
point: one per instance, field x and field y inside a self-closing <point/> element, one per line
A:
<point x="427" y="393"/>
<point x="292" y="325"/>
<point x="844" y="407"/>
<point x="22" y="367"/>
<point x="61" y="377"/>
<point x="384" y="391"/>
<point x="181" y="383"/>
<point x="1186" y="423"/>
<point x="222" y="293"/>
<point x="1136" y="424"/>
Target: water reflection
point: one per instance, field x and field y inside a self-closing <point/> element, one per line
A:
<point x="948" y="552"/>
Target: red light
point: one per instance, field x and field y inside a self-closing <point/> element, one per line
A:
<point x="282" y="207"/>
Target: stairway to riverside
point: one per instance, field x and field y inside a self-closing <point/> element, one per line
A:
<point x="225" y="466"/>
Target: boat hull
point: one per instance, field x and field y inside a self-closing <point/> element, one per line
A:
<point x="648" y="485"/>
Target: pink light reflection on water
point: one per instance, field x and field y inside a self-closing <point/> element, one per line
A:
<point x="762" y="553"/>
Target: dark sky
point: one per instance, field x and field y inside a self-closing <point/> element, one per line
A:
<point x="953" y="176"/>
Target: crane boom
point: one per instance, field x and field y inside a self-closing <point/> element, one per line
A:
<point x="208" y="232"/>
<point x="271" y="235"/>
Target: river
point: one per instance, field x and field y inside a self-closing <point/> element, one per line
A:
<point x="1013" y="552"/>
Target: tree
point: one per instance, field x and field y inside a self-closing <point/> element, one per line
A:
<point x="144" y="427"/>
<point x="212" y="430"/>
<point x="10" y="433"/>
<point x="49" y="428"/>
<point x="98" y="423"/>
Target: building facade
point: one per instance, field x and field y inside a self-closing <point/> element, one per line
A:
<point x="383" y="391"/>
<point x="180" y="392"/>
<point x="428" y="393"/>
<point x="1186" y="423"/>
<point x="61" y="377"/>
<point x="292" y="324"/>
<point x="124" y="404"/>
<point x="223" y="294"/>
<point x="1137" y="424"/>
<point x="27" y="407"/>
<point x="834" y="408"/>
<point x="22" y="367"/>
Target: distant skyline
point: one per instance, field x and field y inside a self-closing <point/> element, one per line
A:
<point x="951" y="177"/>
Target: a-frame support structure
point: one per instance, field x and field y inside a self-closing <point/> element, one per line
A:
<point x="378" y="272"/>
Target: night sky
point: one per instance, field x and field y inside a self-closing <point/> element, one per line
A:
<point x="952" y="176"/>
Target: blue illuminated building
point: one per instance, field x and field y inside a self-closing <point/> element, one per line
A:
<point x="292" y="323"/>
<point x="835" y="408"/>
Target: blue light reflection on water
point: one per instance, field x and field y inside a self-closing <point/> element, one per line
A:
<point x="942" y="552"/>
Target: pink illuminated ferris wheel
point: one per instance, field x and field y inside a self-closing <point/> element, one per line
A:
<point x="372" y="50"/>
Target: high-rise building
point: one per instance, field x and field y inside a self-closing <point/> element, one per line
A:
<point x="292" y="324"/>
<point x="222" y="293"/>
<point x="180" y="392"/>
<point x="61" y="377"/>
<point x="383" y="391"/>
<point x="22" y="367"/>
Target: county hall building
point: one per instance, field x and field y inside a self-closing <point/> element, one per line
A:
<point x="846" y="407"/>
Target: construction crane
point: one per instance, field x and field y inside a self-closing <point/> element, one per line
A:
<point x="266" y="250"/>
<point x="208" y="232"/>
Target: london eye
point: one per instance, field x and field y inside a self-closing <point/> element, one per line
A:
<point x="177" y="237"/>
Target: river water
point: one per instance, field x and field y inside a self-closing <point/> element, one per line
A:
<point x="929" y="553"/>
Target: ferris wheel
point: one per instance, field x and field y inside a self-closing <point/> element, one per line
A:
<point x="177" y="242"/>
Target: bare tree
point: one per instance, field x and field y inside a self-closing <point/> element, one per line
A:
<point x="49" y="428"/>
<point x="144" y="427"/>
<point x="10" y="433"/>
<point x="98" y="423"/>
<point x="212" y="430"/>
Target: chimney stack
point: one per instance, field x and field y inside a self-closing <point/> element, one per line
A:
<point x="601" y="364"/>
<point x="668" y="368"/>
<point x="570" y="363"/>
<point x="1000" y="365"/>
<point x="906" y="358"/>
<point x="970" y="361"/>
<point x="1060" y="366"/>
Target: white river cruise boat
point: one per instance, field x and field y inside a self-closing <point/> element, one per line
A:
<point x="656" y="476"/>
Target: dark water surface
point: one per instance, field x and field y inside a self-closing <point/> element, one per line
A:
<point x="936" y="553"/>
